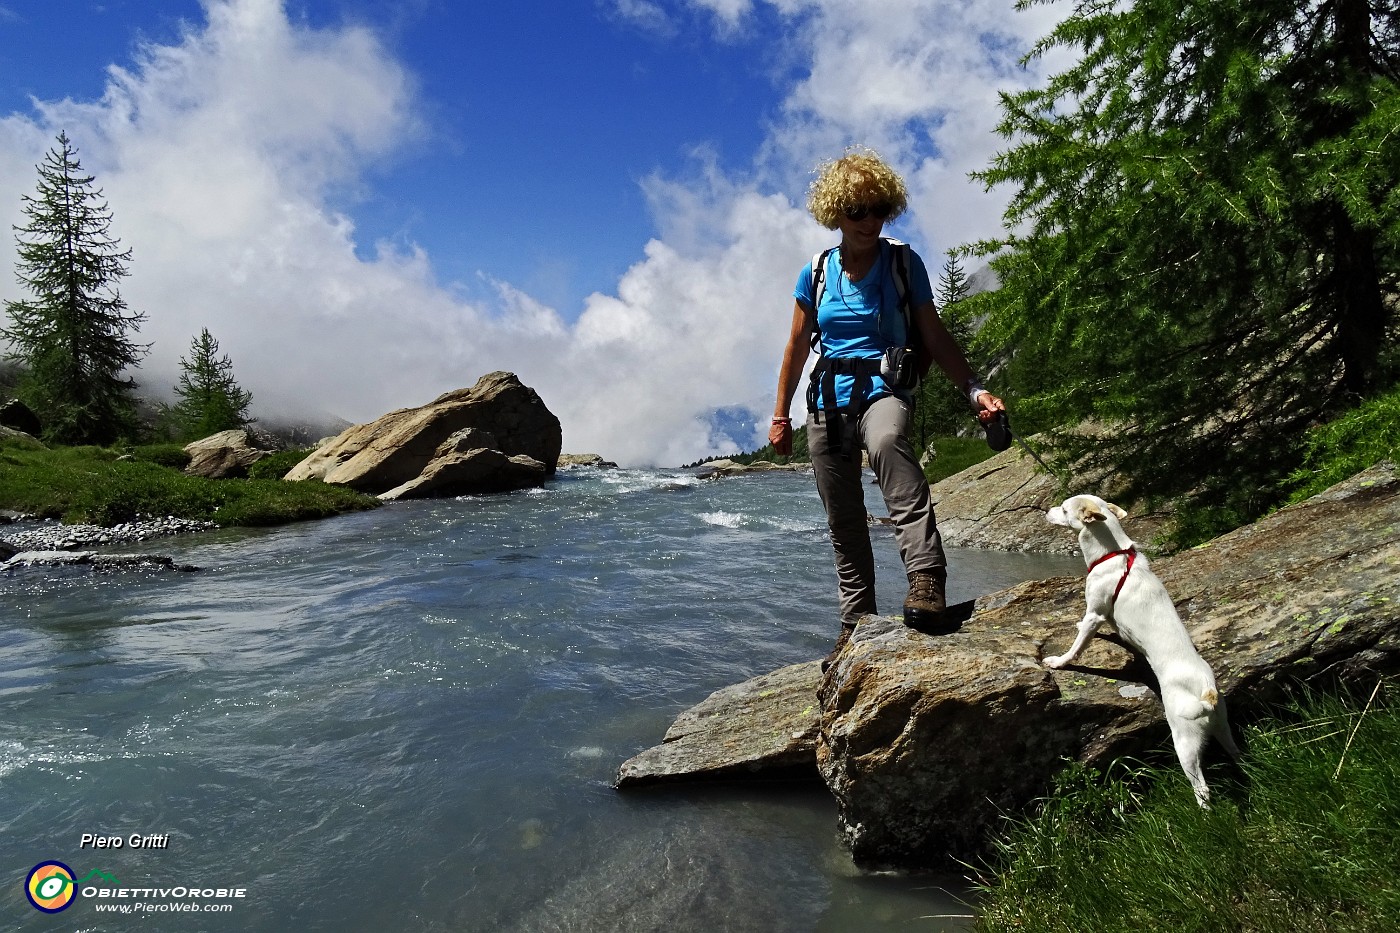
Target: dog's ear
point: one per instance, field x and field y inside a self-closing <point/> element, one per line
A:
<point x="1089" y="513"/>
<point x="1117" y="512"/>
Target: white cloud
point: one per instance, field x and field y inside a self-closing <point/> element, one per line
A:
<point x="729" y="12"/>
<point x="691" y="331"/>
<point x="918" y="80"/>
<point x="224" y="157"/>
<point x="646" y="15"/>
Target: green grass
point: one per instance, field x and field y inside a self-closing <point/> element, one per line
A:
<point x="105" y="486"/>
<point x="1304" y="842"/>
<point x="955" y="454"/>
<point x="1352" y="443"/>
<point x="275" y="466"/>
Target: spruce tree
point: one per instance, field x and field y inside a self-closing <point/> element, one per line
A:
<point x="952" y="284"/>
<point x="210" y="399"/>
<point x="1206" y="237"/>
<point x="941" y="409"/>
<point x="74" y="335"/>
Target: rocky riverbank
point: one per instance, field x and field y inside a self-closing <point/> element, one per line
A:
<point x="998" y="504"/>
<point x="28" y="542"/>
<point x="926" y="742"/>
<point x="26" y="534"/>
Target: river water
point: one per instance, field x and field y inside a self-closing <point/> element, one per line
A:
<point x="411" y="718"/>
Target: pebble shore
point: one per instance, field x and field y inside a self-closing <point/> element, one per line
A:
<point x="52" y="535"/>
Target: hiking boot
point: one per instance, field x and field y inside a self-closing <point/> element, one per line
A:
<point x="925" y="604"/>
<point x="845" y="636"/>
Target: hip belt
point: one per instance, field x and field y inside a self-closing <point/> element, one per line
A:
<point x="822" y="388"/>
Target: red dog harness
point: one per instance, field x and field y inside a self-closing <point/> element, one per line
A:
<point x="1131" y="554"/>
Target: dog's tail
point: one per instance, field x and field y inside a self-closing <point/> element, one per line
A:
<point x="1210" y="698"/>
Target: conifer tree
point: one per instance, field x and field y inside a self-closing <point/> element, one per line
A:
<point x="941" y="409"/>
<point x="210" y="399"/>
<point x="1206" y="236"/>
<point x="74" y="335"/>
<point x="952" y="284"/>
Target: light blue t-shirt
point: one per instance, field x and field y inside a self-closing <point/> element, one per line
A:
<point x="862" y="319"/>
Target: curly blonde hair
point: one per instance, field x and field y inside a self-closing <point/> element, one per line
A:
<point x="860" y="177"/>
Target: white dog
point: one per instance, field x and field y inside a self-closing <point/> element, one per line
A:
<point x="1127" y="596"/>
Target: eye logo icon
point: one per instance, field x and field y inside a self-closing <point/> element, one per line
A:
<point x="50" y="887"/>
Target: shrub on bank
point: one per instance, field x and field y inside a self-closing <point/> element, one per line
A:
<point x="276" y="465"/>
<point x="1352" y="443"/>
<point x="105" y="486"/>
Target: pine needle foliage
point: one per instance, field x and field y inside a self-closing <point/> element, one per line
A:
<point x="1205" y="245"/>
<point x="210" y="399"/>
<point x="74" y="334"/>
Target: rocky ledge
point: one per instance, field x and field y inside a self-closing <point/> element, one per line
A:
<point x="926" y="741"/>
<point x="91" y="559"/>
<point x="999" y="504"/>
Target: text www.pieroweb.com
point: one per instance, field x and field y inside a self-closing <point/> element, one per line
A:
<point x="176" y="908"/>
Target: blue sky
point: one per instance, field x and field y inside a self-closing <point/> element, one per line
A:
<point x="371" y="202"/>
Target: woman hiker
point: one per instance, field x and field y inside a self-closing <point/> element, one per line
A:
<point x="857" y="398"/>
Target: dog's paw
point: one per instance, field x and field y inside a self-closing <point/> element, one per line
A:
<point x="1055" y="663"/>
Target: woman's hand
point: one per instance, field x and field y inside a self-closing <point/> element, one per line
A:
<point x="988" y="406"/>
<point x="799" y="344"/>
<point x="780" y="436"/>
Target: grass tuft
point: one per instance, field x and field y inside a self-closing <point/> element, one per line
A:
<point x="1303" y="842"/>
<point x="1340" y="449"/>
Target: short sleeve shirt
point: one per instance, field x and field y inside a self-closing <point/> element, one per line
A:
<point x="861" y="320"/>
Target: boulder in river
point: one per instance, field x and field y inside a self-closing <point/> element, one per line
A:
<point x="766" y="726"/>
<point x="434" y="449"/>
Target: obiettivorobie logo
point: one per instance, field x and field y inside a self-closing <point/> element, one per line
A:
<point x="50" y="886"/>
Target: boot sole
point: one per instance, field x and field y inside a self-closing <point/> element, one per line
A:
<point x="930" y="623"/>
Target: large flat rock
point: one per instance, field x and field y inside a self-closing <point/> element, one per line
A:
<point x="765" y="727"/>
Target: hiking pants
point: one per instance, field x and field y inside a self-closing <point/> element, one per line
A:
<point x="883" y="431"/>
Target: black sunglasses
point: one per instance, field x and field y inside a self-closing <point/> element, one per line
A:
<point x="880" y="211"/>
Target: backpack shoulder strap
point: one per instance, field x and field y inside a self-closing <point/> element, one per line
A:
<point x="819" y="275"/>
<point x="900" y="253"/>
<point x="818" y="289"/>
